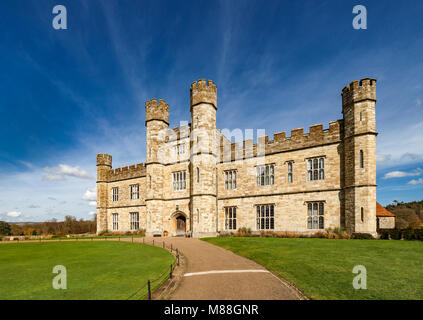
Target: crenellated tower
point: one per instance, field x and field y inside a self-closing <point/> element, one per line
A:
<point x="104" y="166"/>
<point x="157" y="124"/>
<point x="358" y="108"/>
<point x="203" y="175"/>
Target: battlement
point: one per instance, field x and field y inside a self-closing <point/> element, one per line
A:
<point x="104" y="159"/>
<point x="127" y="172"/>
<point x="203" y="91"/>
<point x="317" y="136"/>
<point x="156" y="110"/>
<point x="178" y="133"/>
<point x="358" y="91"/>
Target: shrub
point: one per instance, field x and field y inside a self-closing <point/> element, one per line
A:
<point x="408" y="234"/>
<point x="384" y="234"/>
<point x="104" y="233"/>
<point x="418" y="234"/>
<point x="395" y="234"/>
<point x="363" y="236"/>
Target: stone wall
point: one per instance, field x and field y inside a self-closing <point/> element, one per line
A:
<point x="386" y="222"/>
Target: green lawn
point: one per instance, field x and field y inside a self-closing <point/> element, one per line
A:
<point x="322" y="268"/>
<point x="95" y="270"/>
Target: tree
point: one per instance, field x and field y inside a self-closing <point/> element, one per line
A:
<point x="5" y="228"/>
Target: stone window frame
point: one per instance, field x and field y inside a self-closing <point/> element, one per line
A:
<point x="315" y="214"/>
<point x="115" y="221"/>
<point x="134" y="218"/>
<point x="265" y="177"/>
<point x="316" y="167"/>
<point x="290" y="171"/>
<point x="179" y="149"/>
<point x="231" y="218"/>
<point x="134" y="194"/>
<point x="115" y="194"/>
<point x="229" y="178"/>
<point x="265" y="216"/>
<point x="179" y="180"/>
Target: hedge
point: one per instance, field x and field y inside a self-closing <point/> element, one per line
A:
<point x="401" y="234"/>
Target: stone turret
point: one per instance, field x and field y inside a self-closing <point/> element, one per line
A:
<point x="203" y="92"/>
<point x="157" y="124"/>
<point x="156" y="110"/>
<point x="104" y="167"/>
<point x="358" y="108"/>
<point x="203" y="158"/>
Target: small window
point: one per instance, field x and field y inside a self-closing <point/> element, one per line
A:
<point x="316" y="169"/>
<point x="230" y="179"/>
<point x="198" y="175"/>
<point x="361" y="159"/>
<point x="230" y="218"/>
<point x="290" y="178"/>
<point x="134" y="220"/>
<point x="115" y="220"/>
<point x="265" y="175"/>
<point x="362" y="214"/>
<point x="135" y="191"/>
<point x="179" y="149"/>
<point x="315" y="215"/>
<point x="179" y="180"/>
<point x="115" y="194"/>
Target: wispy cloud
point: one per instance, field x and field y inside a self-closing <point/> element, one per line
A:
<point x="402" y="174"/>
<point x="416" y="181"/>
<point x="59" y="173"/>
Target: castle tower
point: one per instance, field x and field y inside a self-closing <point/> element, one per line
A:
<point x="104" y="165"/>
<point x="358" y="108"/>
<point x="157" y="124"/>
<point x="203" y="159"/>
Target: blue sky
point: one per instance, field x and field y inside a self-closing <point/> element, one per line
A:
<point x="70" y="94"/>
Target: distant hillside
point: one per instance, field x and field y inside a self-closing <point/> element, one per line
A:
<point x="408" y="213"/>
<point x="23" y="223"/>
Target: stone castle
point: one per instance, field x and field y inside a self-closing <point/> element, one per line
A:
<point x="196" y="182"/>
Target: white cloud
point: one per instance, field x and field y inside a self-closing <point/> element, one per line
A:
<point x="54" y="177"/>
<point x="92" y="213"/>
<point x="402" y="174"/>
<point x="414" y="181"/>
<point x="14" y="214"/>
<point x="59" y="173"/>
<point x="90" y="194"/>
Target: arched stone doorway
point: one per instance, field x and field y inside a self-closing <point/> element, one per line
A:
<point x="179" y="224"/>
